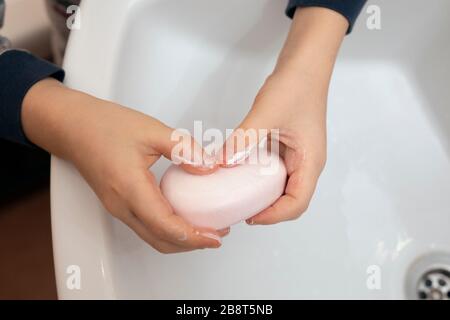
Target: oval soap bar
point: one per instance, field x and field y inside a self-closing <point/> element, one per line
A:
<point x="227" y="196"/>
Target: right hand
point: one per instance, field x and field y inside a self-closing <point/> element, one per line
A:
<point x="113" y="148"/>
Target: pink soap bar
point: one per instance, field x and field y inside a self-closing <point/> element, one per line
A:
<point x="227" y="196"/>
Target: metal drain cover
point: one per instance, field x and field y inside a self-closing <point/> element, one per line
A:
<point x="434" y="285"/>
<point x="429" y="278"/>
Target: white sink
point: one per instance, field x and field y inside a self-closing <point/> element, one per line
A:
<point x="383" y="200"/>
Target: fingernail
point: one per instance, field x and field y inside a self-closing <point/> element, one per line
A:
<point x="225" y="231"/>
<point x="207" y="162"/>
<point x="250" y="222"/>
<point x="211" y="236"/>
<point x="240" y="156"/>
<point x="177" y="160"/>
<point x="237" y="158"/>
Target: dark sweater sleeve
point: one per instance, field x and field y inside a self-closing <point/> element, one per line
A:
<point x="19" y="71"/>
<point x="350" y="9"/>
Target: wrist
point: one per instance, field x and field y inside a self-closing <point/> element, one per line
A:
<point x="48" y="111"/>
<point x="313" y="43"/>
<point x="300" y="80"/>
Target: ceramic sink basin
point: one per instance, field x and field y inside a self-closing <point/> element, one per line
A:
<point x="381" y="213"/>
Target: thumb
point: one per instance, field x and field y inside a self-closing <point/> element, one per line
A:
<point x="182" y="149"/>
<point x="252" y="133"/>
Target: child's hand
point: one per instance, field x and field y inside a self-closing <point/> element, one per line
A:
<point x="293" y="101"/>
<point x="296" y="106"/>
<point x="113" y="147"/>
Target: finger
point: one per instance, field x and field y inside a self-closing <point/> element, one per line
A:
<point x="153" y="210"/>
<point x="130" y="219"/>
<point x="254" y="131"/>
<point x="122" y="213"/>
<point x="299" y="191"/>
<point x="180" y="147"/>
<point x="224" y="232"/>
<point x="160" y="245"/>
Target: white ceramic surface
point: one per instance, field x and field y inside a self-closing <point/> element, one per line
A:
<point x="383" y="198"/>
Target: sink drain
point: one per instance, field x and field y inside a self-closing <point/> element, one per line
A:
<point x="434" y="285"/>
<point x="428" y="278"/>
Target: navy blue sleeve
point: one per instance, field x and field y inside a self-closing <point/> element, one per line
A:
<point x="19" y="71"/>
<point x="350" y="9"/>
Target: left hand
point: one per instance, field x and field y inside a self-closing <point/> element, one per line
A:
<point x="293" y="100"/>
<point x="295" y="105"/>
